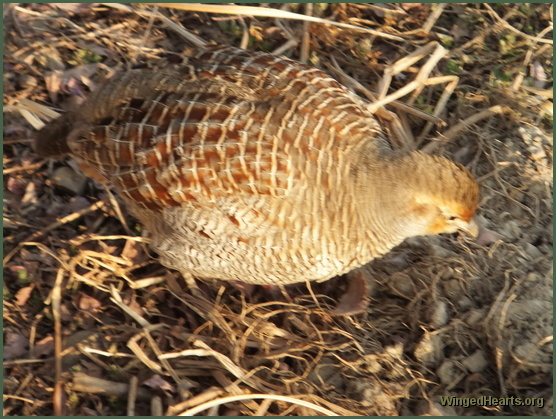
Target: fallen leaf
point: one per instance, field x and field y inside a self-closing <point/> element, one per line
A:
<point x="53" y="81"/>
<point x="74" y="87"/>
<point x="44" y="347"/>
<point x="157" y="382"/>
<point x="356" y="298"/>
<point x="133" y="251"/>
<point x="16" y="186"/>
<point x="30" y="195"/>
<point x="409" y="6"/>
<point x="537" y="71"/>
<point x="23" y="294"/>
<point x="88" y="303"/>
<point x="15" y="346"/>
<point x="487" y="236"/>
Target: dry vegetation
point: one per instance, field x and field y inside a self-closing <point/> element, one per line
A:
<point x="94" y="326"/>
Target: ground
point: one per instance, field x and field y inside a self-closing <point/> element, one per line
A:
<point x="93" y="325"/>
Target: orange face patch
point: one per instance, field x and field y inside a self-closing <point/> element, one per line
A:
<point x="438" y="226"/>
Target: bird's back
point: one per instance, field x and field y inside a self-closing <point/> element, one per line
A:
<point x="240" y="164"/>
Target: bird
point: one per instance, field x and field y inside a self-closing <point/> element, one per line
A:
<point x="245" y="166"/>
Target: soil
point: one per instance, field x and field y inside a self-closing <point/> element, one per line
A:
<point x="93" y="325"/>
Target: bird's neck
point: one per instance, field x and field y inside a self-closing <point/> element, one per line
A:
<point x="390" y="189"/>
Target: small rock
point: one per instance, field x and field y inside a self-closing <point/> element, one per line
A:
<point x="447" y="372"/>
<point x="452" y="289"/>
<point x="487" y="236"/>
<point x="68" y="179"/>
<point x="371" y="394"/>
<point x="476" y="362"/>
<point x="533" y="277"/>
<point x="474" y="317"/>
<point x="328" y="372"/>
<point x="438" y="410"/>
<point x="402" y="285"/>
<point x="427" y="408"/>
<point x="464" y="303"/>
<point x="440" y="315"/>
<point x="510" y="229"/>
<point x="429" y="350"/>
<point x="532" y="251"/>
<point x="372" y="364"/>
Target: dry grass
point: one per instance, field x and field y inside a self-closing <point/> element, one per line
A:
<point x="94" y="326"/>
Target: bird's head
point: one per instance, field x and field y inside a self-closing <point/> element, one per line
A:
<point x="446" y="196"/>
<point x="452" y="217"/>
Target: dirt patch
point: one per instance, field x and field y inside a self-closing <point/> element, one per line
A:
<point x="91" y="321"/>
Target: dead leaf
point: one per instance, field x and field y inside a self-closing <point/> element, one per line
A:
<point x="15" y="346"/>
<point x="65" y="313"/>
<point x="74" y="87"/>
<point x="130" y="300"/>
<point x="16" y="186"/>
<point x="460" y="31"/>
<point x="69" y="180"/>
<point x="30" y="195"/>
<point x="356" y="299"/>
<point x="133" y="251"/>
<point x="487" y="237"/>
<point x="409" y="6"/>
<point x="53" y="81"/>
<point x="44" y="347"/>
<point x="88" y="303"/>
<point x="538" y="74"/>
<point x="23" y="294"/>
<point x="157" y="382"/>
<point x="20" y="273"/>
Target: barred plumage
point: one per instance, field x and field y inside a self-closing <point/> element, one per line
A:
<point x="257" y="168"/>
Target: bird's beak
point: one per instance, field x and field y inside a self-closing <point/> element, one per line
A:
<point x="471" y="228"/>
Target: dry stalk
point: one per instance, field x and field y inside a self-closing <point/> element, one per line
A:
<point x="286" y="399"/>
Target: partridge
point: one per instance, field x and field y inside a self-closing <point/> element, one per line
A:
<point x="251" y="167"/>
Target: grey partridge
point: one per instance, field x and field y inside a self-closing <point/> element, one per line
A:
<point x="246" y="166"/>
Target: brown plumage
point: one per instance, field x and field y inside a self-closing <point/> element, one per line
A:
<point x="245" y="166"/>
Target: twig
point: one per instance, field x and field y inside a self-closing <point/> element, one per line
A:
<point x="156" y="406"/>
<point x="87" y="384"/>
<point x="519" y="79"/>
<point x="132" y="395"/>
<point x="306" y="39"/>
<point x="245" y="36"/>
<point x="285" y="46"/>
<point x="357" y="86"/>
<point x="455" y="130"/>
<point x="56" y="303"/>
<point x="268" y="12"/>
<point x="230" y="399"/>
<point x="67" y="219"/>
<point x="204" y="397"/>
<point x="22" y="168"/>
<point x="510" y="27"/>
<point x="145" y="37"/>
<point x="117" y="299"/>
<point x="434" y="16"/>
<point x="194" y="39"/>
<point x="117" y="209"/>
